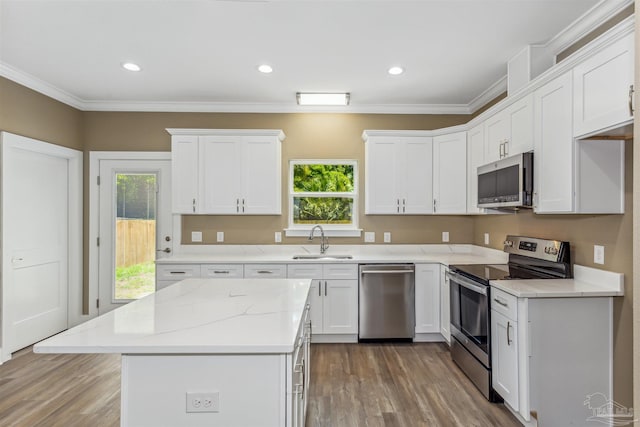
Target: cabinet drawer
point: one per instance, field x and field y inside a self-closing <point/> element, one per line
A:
<point x="504" y="303"/>
<point x="340" y="271"/>
<point x="177" y="272"/>
<point x="304" y="271"/>
<point x="265" y="271"/>
<point x="235" y="271"/>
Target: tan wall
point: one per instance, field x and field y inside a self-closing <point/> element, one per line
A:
<point x="614" y="232"/>
<point x="29" y="113"/>
<point x="308" y="136"/>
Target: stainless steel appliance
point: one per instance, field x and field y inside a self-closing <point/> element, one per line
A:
<point x="529" y="258"/>
<point x="506" y="183"/>
<point x="386" y="302"/>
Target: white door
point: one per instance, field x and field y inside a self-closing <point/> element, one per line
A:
<point x="340" y="307"/>
<point x="427" y="298"/>
<point x="504" y="354"/>
<point x="418" y="178"/>
<point x="381" y="176"/>
<point x="37" y="182"/>
<point x="185" y="171"/>
<point x="450" y="173"/>
<point x="260" y="175"/>
<point x="135" y="228"/>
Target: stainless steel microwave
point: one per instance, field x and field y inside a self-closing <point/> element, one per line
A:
<point x="506" y="183"/>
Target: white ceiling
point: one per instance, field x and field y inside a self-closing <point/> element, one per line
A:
<point x="203" y="55"/>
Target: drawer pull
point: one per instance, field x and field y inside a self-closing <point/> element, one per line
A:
<point x="177" y="272"/>
<point x="502" y="303"/>
<point x="265" y="272"/>
<point x="221" y="271"/>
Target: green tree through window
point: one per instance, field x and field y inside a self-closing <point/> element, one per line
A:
<point x="323" y="192"/>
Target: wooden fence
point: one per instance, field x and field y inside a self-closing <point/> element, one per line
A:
<point x="135" y="241"/>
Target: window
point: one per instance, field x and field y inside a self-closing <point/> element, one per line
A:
<point x="323" y="192"/>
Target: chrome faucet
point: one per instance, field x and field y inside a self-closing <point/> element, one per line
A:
<point x="324" y="245"/>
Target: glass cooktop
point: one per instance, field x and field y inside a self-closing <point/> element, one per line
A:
<point x="486" y="272"/>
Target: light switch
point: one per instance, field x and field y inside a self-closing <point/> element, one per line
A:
<point x="598" y="254"/>
<point x="387" y="237"/>
<point x="445" y="236"/>
<point x="220" y="236"/>
<point x="196" y="236"/>
<point x="369" y="236"/>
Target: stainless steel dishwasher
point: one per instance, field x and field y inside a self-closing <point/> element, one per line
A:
<point x="386" y="302"/>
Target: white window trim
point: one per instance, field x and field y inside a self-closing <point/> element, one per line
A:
<point x="330" y="230"/>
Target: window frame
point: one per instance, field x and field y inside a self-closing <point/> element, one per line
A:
<point x="336" y="230"/>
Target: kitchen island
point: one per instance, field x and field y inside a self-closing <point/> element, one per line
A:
<point x="215" y="352"/>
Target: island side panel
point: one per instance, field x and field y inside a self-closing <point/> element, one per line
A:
<point x="252" y="389"/>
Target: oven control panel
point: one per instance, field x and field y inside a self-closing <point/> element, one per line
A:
<point x="550" y="250"/>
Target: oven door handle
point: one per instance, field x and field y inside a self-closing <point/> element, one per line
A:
<point x="466" y="283"/>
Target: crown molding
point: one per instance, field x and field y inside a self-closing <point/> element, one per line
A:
<point x="491" y="93"/>
<point x="40" y="86"/>
<point x="591" y="19"/>
<point x="228" y="132"/>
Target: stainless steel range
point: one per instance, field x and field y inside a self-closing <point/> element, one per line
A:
<point x="529" y="258"/>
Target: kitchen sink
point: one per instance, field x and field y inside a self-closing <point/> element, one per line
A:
<point x="323" y="256"/>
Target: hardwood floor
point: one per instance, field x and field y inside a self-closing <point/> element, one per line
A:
<point x="352" y="385"/>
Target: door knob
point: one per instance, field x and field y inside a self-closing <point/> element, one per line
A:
<point x="167" y="250"/>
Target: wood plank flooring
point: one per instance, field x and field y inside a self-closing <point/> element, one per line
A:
<point x="352" y="385"/>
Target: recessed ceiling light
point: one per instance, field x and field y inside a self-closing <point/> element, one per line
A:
<point x="394" y="71"/>
<point x="264" y="68"/>
<point x="322" y="98"/>
<point x="130" y="66"/>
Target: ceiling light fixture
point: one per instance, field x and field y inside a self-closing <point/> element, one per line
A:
<point x="266" y="69"/>
<point x="130" y="66"/>
<point x="322" y="98"/>
<point x="394" y="71"/>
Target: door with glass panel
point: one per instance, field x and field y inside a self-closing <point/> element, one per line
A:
<point x="135" y="228"/>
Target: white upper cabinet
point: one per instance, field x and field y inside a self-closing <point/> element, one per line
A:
<point x="603" y="87"/>
<point x="553" y="163"/>
<point x="398" y="177"/>
<point x="509" y="131"/>
<point x="220" y="171"/>
<point x="450" y="173"/>
<point x="475" y="158"/>
<point x="184" y="172"/>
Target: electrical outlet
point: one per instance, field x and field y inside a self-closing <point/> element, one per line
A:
<point x="196" y="236"/>
<point x="445" y="236"/>
<point x="387" y="237"/>
<point x="203" y="402"/>
<point x="369" y="236"/>
<point x="278" y="237"/>
<point x="486" y="238"/>
<point x="220" y="236"/>
<point x="598" y="254"/>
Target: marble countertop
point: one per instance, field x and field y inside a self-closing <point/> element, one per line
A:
<point x="244" y="254"/>
<point x="196" y="316"/>
<point x="587" y="282"/>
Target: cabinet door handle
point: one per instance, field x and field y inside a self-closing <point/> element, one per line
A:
<point x="631" y="100"/>
<point x="509" y="341"/>
<point x="319" y="289"/>
<point x="506" y="148"/>
<point x="242" y="205"/>
<point x="501" y="150"/>
<point x="434" y="205"/>
<point x="325" y="288"/>
<point x="194" y="205"/>
<point x="404" y="206"/>
<point x="237" y="205"/>
<point x="398" y="205"/>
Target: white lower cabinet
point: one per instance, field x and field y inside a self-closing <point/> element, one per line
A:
<point x="334" y="296"/>
<point x="550" y="354"/>
<point x="504" y="348"/>
<point x="168" y="274"/>
<point x="427" y="278"/>
<point x="445" y="308"/>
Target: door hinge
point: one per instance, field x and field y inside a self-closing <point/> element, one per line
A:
<point x="97" y="303"/>
<point x="98" y="179"/>
<point x="98" y="241"/>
